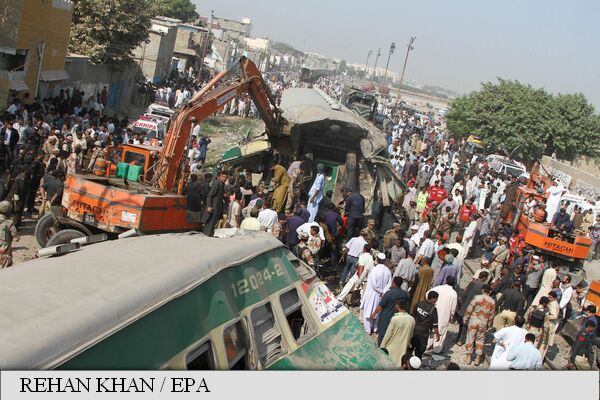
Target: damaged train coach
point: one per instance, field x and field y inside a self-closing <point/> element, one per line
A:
<point x="317" y="129"/>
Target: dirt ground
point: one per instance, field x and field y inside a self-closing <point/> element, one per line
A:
<point x="26" y="247"/>
<point x="227" y="131"/>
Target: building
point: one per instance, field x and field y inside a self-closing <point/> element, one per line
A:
<point x="33" y="45"/>
<point x="232" y="29"/>
<point x="257" y="49"/>
<point x="192" y="44"/>
<point x="155" y="57"/>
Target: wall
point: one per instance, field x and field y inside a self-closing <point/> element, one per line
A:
<point x="26" y="24"/>
<point x="576" y="179"/>
<point x="44" y="21"/>
<point x="91" y="78"/>
<point x="4" y="83"/>
<point x="10" y="17"/>
<point x="165" y="53"/>
<point x="146" y="54"/>
<point x="154" y="57"/>
<point x="237" y="29"/>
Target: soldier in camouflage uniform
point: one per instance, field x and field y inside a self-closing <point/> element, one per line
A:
<point x="478" y="318"/>
<point x="8" y="233"/>
<point x="371" y="233"/>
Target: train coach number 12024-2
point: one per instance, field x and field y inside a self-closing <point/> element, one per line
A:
<point x="256" y="280"/>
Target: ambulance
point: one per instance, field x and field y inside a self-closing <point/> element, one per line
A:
<point x="151" y="128"/>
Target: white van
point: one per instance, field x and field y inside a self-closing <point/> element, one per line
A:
<point x="505" y="166"/>
<point x="160" y="109"/>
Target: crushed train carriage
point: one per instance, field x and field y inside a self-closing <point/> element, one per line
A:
<point x="178" y="301"/>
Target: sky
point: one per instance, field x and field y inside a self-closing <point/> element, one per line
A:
<point x="459" y="43"/>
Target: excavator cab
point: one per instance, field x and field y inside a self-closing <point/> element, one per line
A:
<point x="143" y="155"/>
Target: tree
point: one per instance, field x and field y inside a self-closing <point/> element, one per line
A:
<point x="184" y="10"/>
<point x="508" y="114"/>
<point x="342" y="66"/>
<point x="108" y="31"/>
<point x="577" y="132"/>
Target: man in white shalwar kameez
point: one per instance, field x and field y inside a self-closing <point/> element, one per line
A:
<point x="555" y="193"/>
<point x="378" y="282"/>
<point x="469" y="235"/>
<point x="549" y="276"/>
<point x="482" y="196"/>
<point x="505" y="339"/>
<point x="366" y="262"/>
<point x="446" y="307"/>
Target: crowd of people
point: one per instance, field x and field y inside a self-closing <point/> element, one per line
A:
<point x="407" y="279"/>
<point x="41" y="142"/>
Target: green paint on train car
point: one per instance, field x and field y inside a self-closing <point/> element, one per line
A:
<point x="152" y="340"/>
<point x="344" y="346"/>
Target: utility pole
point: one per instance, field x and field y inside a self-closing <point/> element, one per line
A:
<point x="367" y="63"/>
<point x="409" y="47"/>
<point x="392" y="48"/>
<point x="375" y="66"/>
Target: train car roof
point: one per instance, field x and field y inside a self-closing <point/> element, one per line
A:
<point x="305" y="105"/>
<point x="308" y="106"/>
<point x="54" y="307"/>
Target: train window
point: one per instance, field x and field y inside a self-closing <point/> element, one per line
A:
<point x="200" y="358"/>
<point x="236" y="347"/>
<point x="267" y="335"/>
<point x="300" y="325"/>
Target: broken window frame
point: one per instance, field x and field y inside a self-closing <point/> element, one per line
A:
<point x="308" y="327"/>
<point x="267" y="358"/>
<point x="204" y="348"/>
<point x="244" y="353"/>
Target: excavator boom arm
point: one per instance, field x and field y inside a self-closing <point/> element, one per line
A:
<point x="206" y="102"/>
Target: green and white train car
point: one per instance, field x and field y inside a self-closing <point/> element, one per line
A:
<point x="177" y="301"/>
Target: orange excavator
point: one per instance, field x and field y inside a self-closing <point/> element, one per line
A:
<point x="100" y="204"/>
<point x="567" y="250"/>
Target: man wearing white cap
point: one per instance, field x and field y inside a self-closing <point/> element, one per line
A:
<point x="415" y="239"/>
<point x="415" y="363"/>
<point x="378" y="282"/>
<point x="535" y="269"/>
<point x="411" y="362"/>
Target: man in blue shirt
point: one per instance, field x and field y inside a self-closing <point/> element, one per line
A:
<point x="525" y="356"/>
<point x="355" y="209"/>
<point x="590" y="315"/>
<point x="315" y="194"/>
<point x="332" y="219"/>
<point x="387" y="306"/>
<point x="293" y="223"/>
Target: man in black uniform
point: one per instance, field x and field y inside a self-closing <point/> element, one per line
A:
<point x="426" y="321"/>
<point x="214" y="204"/>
